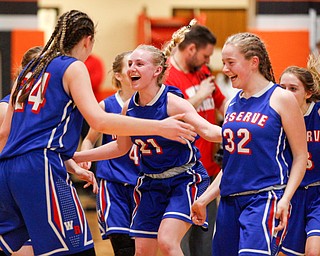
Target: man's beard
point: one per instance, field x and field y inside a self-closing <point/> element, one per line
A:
<point x="191" y="64"/>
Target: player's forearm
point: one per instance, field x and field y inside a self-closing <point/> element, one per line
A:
<point x="297" y="173"/>
<point x="212" y="192"/>
<point x="104" y="152"/>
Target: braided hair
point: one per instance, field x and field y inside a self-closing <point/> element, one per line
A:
<point x="251" y="45"/>
<point x="160" y="57"/>
<point x="71" y="27"/>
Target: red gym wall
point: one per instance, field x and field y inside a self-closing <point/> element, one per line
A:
<point x="30" y="38"/>
<point x="285" y="48"/>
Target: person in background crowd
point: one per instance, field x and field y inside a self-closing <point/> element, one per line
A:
<point x="189" y="71"/>
<point x="117" y="177"/>
<point x="303" y="237"/>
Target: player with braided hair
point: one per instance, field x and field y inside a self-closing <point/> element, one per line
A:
<point x="40" y="134"/>
<point x="171" y="175"/>
<point x="303" y="237"/>
<point x="263" y="141"/>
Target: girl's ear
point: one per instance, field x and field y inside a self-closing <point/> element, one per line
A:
<point x="308" y="95"/>
<point x="158" y="71"/>
<point x="87" y="41"/>
<point x="117" y="75"/>
<point x="255" y="61"/>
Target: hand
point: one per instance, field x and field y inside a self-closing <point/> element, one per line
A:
<point x="173" y="129"/>
<point x="82" y="174"/>
<point x="198" y="213"/>
<point x="85" y="165"/>
<point x="206" y="87"/>
<point x="87" y="176"/>
<point x="282" y="214"/>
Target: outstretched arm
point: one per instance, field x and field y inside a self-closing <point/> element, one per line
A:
<point x="76" y="82"/>
<point x="110" y="150"/>
<point x="206" y="130"/>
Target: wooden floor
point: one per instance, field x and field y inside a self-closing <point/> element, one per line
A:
<point x="102" y="247"/>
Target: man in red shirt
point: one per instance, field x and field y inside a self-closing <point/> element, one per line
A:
<point x="189" y="72"/>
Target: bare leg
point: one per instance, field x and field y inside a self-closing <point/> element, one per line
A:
<point x="25" y="250"/>
<point x="146" y="246"/>
<point x="170" y="235"/>
<point x="313" y="246"/>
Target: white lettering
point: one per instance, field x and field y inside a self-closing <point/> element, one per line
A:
<point x="68" y="225"/>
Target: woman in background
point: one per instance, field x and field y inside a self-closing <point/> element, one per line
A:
<point x="116" y="177"/>
<point x="303" y="237"/>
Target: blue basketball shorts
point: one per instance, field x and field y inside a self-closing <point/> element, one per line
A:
<point x="39" y="202"/>
<point x="245" y="225"/>
<point x="304" y="220"/>
<point x="172" y="197"/>
<point x="115" y="205"/>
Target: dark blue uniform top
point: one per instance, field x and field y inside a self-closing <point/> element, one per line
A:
<point x="53" y="122"/>
<point x="312" y="120"/>
<point x="123" y="169"/>
<point x="256" y="151"/>
<point x="159" y="154"/>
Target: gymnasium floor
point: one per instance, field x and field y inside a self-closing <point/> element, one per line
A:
<point x="102" y="247"/>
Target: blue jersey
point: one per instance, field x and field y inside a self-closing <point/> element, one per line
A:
<point x="159" y="154"/>
<point x="6" y="98"/>
<point x="256" y="151"/>
<point x="51" y="122"/>
<point x="123" y="169"/>
<point x="312" y="121"/>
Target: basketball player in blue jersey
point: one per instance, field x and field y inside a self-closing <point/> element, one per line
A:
<point x="117" y="177"/>
<point x="172" y="176"/>
<point x="263" y="140"/>
<point x="82" y="174"/>
<point x="4" y="102"/>
<point x="40" y="134"/>
<point x="303" y="237"/>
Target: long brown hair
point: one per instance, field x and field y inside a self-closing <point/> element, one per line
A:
<point x="251" y="45"/>
<point x="309" y="77"/>
<point x="71" y="27"/>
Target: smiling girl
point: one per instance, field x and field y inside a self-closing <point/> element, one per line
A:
<point x="262" y="123"/>
<point x="172" y="176"/>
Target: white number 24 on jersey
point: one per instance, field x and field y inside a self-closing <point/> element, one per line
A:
<point x="36" y="97"/>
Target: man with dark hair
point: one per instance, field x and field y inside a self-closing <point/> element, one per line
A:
<point x="190" y="73"/>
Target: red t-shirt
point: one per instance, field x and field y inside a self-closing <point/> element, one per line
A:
<point x="188" y="84"/>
